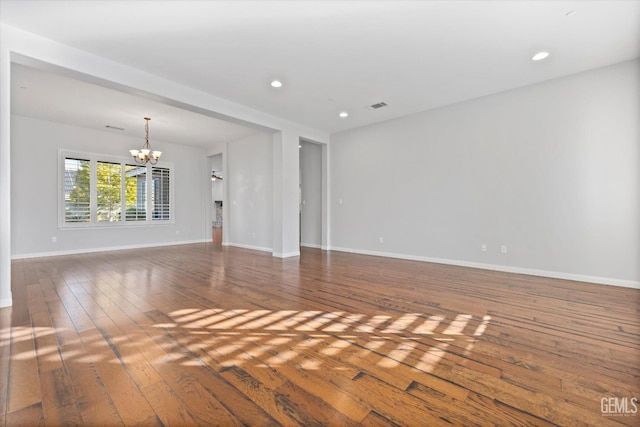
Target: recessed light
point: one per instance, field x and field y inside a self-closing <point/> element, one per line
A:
<point x="540" y="56"/>
<point x="344" y="114"/>
<point x="276" y="83"/>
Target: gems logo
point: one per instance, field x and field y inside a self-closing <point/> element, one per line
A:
<point x="619" y="406"/>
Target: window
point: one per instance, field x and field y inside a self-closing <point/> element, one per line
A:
<point x="97" y="190"/>
<point x="76" y="190"/>
<point x="136" y="193"/>
<point x="160" y="191"/>
<point x="109" y="189"/>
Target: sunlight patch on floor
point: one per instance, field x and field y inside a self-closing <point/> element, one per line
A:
<point x="267" y="338"/>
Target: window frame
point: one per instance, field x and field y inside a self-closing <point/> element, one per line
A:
<point x="93" y="159"/>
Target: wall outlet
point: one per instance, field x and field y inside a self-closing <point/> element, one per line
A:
<point x="340" y="201"/>
<point x="381" y="239"/>
<point x="253" y="235"/>
<point x="503" y="249"/>
<point x="483" y="248"/>
<point x="177" y="232"/>
<point x="54" y="239"/>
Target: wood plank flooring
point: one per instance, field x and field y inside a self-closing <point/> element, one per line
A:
<point x="206" y="335"/>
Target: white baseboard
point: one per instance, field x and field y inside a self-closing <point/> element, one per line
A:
<point x="315" y="246"/>
<point x="533" y="272"/>
<point x="507" y="269"/>
<point x="104" y="249"/>
<point x="263" y="249"/>
<point x="259" y="248"/>
<point x="286" y="254"/>
<point x="255" y="248"/>
<point x="311" y="245"/>
<point x="5" y="302"/>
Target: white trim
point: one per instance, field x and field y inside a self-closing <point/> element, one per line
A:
<point x="255" y="248"/>
<point x="105" y="249"/>
<point x="533" y="272"/>
<point x="286" y="254"/>
<point x="508" y="269"/>
<point x="116" y="225"/>
<point x="311" y="245"/>
<point x="6" y="302"/>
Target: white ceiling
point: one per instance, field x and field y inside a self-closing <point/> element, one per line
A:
<point x="332" y="55"/>
<point x="49" y="96"/>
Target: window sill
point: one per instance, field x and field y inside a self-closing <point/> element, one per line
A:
<point x="111" y="226"/>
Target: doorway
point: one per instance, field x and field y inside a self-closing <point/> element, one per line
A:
<point x="310" y="194"/>
<point x="217" y="198"/>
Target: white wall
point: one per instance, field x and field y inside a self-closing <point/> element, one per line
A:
<point x="29" y="49"/>
<point x="34" y="190"/>
<point x="5" y="172"/>
<point x="286" y="194"/>
<point x="311" y="186"/>
<point x="550" y="170"/>
<point x="248" y="181"/>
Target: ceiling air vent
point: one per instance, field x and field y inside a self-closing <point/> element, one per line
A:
<point x="378" y="105"/>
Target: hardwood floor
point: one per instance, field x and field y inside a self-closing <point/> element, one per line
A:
<point x="206" y="335"/>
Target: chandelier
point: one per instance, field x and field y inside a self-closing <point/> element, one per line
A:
<point x="145" y="155"/>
